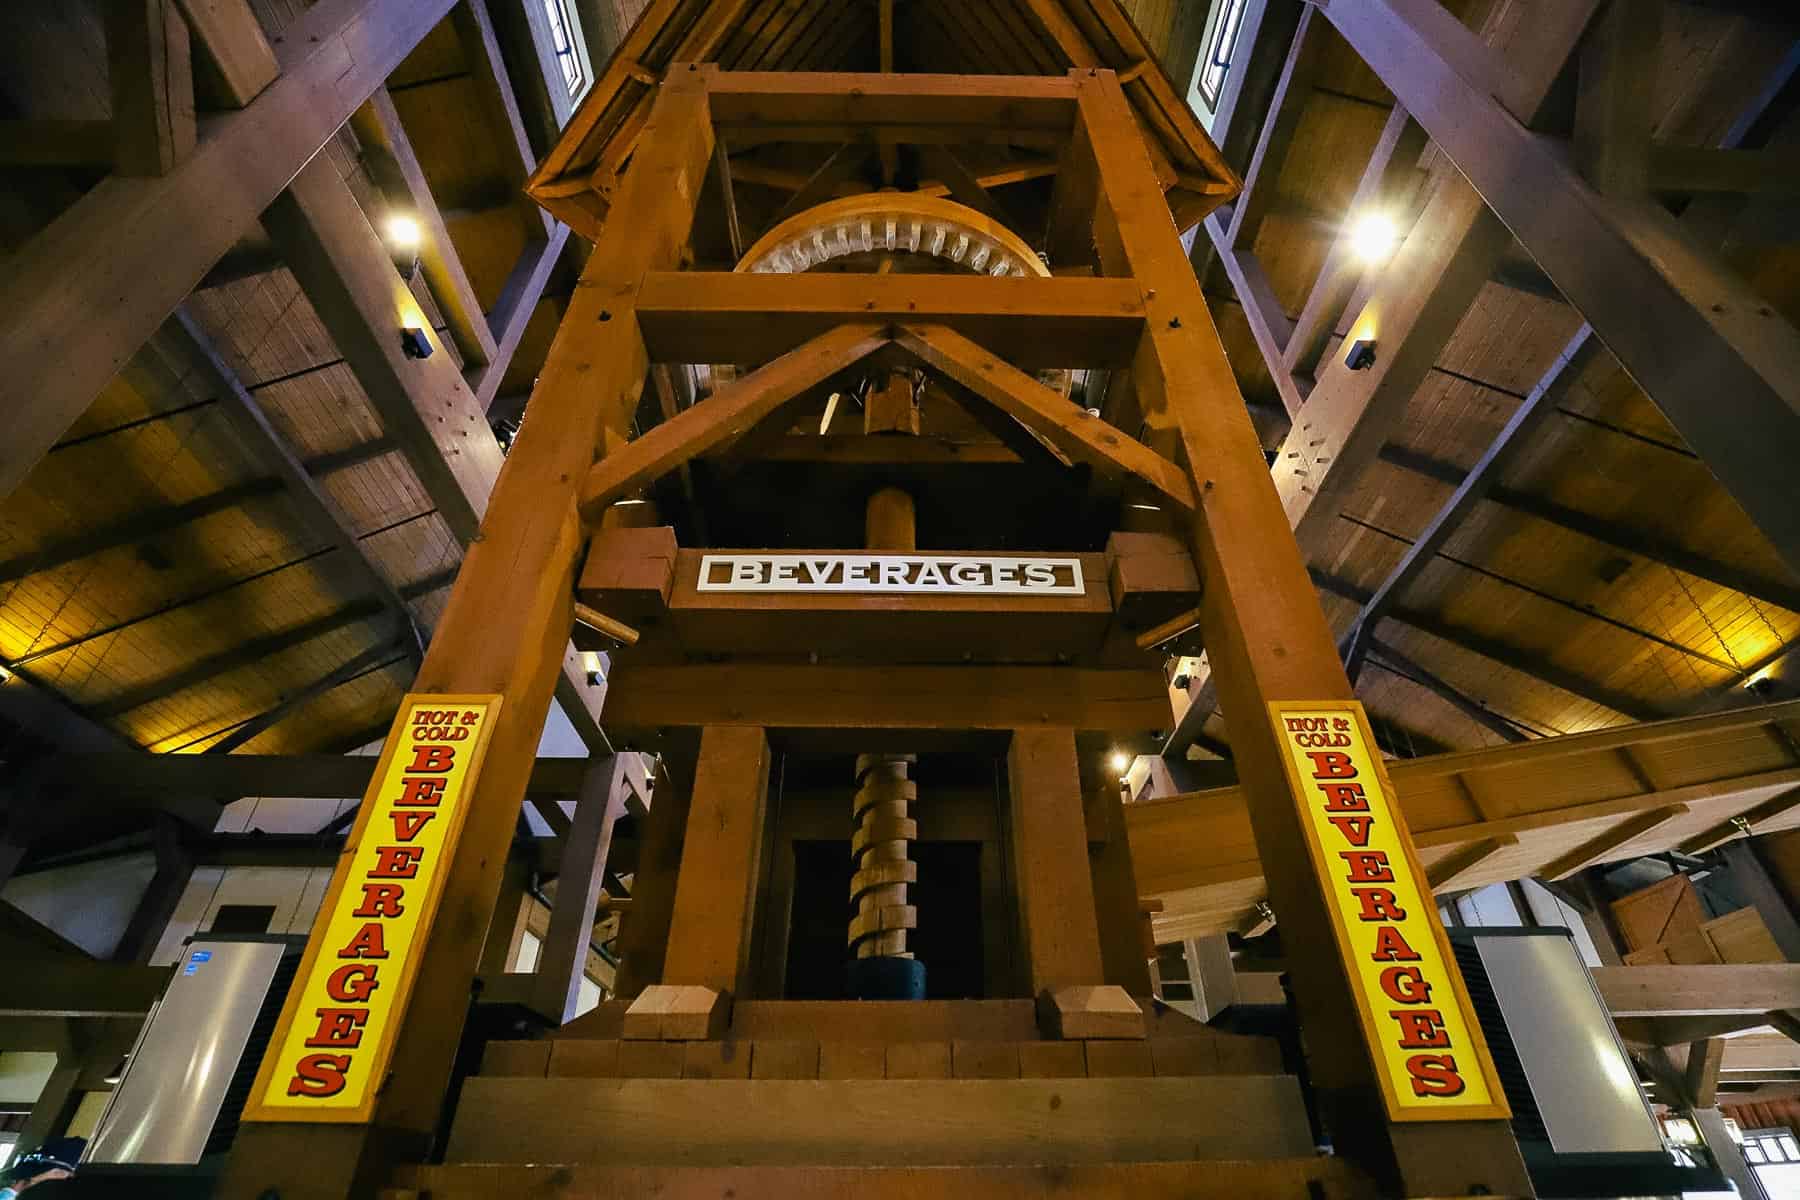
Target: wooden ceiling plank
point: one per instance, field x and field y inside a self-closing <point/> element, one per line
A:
<point x="1681" y="323"/>
<point x="798" y="25"/>
<point x="377" y="125"/>
<point x="201" y="670"/>
<point x="146" y="525"/>
<point x="1692" y="170"/>
<point x="1513" y="658"/>
<point x="373" y="659"/>
<point x="317" y="509"/>
<point x="743" y="318"/>
<point x="1598" y="849"/>
<point x="730" y="412"/>
<point x="1550" y="390"/>
<point x="1480" y="713"/>
<point x="1060" y="421"/>
<point x="85" y="293"/>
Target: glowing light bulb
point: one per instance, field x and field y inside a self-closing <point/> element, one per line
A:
<point x="1121" y="761"/>
<point x="403" y="232"/>
<point x="1373" y="237"/>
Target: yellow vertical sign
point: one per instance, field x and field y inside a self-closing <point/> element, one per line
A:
<point x="1429" y="1053"/>
<point x="331" y="1050"/>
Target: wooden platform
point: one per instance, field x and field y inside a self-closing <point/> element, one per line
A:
<point x="851" y="1122"/>
<point x="1280" y="1179"/>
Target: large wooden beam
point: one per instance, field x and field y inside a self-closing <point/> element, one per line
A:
<point x="524" y="566"/>
<point x="138" y="776"/>
<point x="563" y="962"/>
<point x="1062" y="423"/>
<point x="715" y="891"/>
<point x="899" y="697"/>
<point x="697" y="316"/>
<point x="1684" y="326"/>
<point x="1615" y="110"/>
<point x="84" y="294"/>
<point x="730" y="412"/>
<point x="1699" y="991"/>
<point x="1055" y="889"/>
<point x="1267" y="639"/>
<point x="964" y="102"/>
<point x="150" y="66"/>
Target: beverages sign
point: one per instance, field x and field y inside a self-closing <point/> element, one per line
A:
<point x="337" y="1032"/>
<point x="904" y="574"/>
<point x="1429" y="1053"/>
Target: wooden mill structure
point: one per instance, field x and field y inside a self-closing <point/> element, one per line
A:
<point x="936" y="479"/>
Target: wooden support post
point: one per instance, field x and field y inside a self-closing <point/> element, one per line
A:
<point x="1050" y="868"/>
<point x="149" y="56"/>
<point x="1121" y="919"/>
<point x="563" y="963"/>
<point x="233" y="42"/>
<point x="174" y="867"/>
<point x="511" y="906"/>
<point x="888" y="521"/>
<point x="1268" y="640"/>
<point x="644" y="932"/>
<point x="523" y="565"/>
<point x="709" y="937"/>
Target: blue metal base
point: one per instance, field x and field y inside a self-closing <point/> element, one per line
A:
<point x="886" y="979"/>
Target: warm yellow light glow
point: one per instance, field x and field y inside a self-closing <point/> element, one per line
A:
<point x="1373" y="236"/>
<point x="592" y="666"/>
<point x="1121" y="761"/>
<point x="403" y="232"/>
<point x="830" y="412"/>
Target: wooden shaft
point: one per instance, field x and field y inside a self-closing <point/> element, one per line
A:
<point x="1050" y="861"/>
<point x="883" y="871"/>
<point x="888" y="522"/>
<point x="715" y="893"/>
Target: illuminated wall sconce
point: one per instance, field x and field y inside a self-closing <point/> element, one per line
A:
<point x="403" y="240"/>
<point x="1361" y="356"/>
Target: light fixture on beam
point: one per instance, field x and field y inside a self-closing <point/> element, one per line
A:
<point x="1361" y="356"/>
<point x="415" y="342"/>
<point x="1121" y="761"/>
<point x="5" y="674"/>
<point x="1373" y="236"/>
<point x="593" y="663"/>
<point x="404" y="237"/>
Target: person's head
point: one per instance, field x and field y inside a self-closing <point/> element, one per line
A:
<point x="55" y="1159"/>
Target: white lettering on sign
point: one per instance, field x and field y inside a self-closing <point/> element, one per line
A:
<point x="901" y="573"/>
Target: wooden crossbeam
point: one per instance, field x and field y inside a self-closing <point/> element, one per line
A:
<point x="729" y="413"/>
<point x="396" y="167"/>
<point x="1742" y="824"/>
<point x="1597" y="849"/>
<point x="701" y="316"/>
<point x="150" y="66"/>
<point x="1285" y="107"/>
<point x="1061" y="422"/>
<point x="1043" y="103"/>
<point x="512" y="313"/>
<point x="1699" y="991"/>
<point x="1447" y="874"/>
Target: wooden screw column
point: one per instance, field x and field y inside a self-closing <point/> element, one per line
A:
<point x="504" y="630"/>
<point x="884" y="794"/>
<point x="1267" y="639"/>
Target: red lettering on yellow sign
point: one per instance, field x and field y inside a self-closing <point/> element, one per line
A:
<point x="1422" y="1034"/>
<point x="340" y="1023"/>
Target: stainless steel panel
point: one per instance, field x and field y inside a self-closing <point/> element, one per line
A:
<point x="1579" y="1075"/>
<point x="164" y="1108"/>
